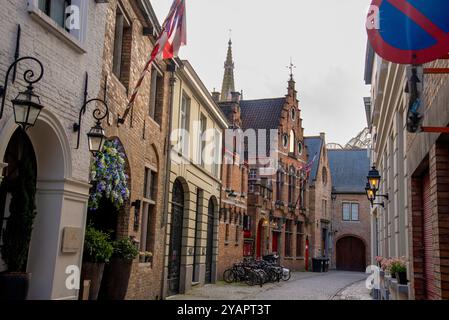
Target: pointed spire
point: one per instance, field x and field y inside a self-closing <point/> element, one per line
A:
<point x="291" y="82"/>
<point x="228" y="86"/>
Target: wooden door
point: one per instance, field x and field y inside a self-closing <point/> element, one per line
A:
<point x="174" y="263"/>
<point x="275" y="242"/>
<point x="429" y="276"/>
<point x="351" y="254"/>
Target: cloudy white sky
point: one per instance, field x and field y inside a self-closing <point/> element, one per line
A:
<point x="325" y="38"/>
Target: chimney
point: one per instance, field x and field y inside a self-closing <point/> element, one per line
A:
<point x="235" y="96"/>
<point x="216" y="96"/>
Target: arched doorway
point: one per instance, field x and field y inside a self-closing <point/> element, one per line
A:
<point x="351" y="254"/>
<point x="210" y="239"/>
<point x="176" y="228"/>
<point x="22" y="169"/>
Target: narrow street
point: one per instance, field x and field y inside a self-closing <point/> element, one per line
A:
<point x="334" y="285"/>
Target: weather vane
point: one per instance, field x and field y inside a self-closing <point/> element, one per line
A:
<point x="291" y="67"/>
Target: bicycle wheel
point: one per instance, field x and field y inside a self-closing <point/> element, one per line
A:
<point x="251" y="278"/>
<point x="228" y="276"/>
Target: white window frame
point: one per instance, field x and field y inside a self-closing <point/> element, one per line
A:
<point x="76" y="38"/>
<point x="351" y="205"/>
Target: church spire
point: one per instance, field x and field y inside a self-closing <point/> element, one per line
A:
<point x="228" y="87"/>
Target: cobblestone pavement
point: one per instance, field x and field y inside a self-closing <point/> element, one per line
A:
<point x="356" y="291"/>
<point x="339" y="285"/>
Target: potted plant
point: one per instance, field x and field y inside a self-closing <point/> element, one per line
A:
<point x="399" y="269"/>
<point x="97" y="251"/>
<point x="148" y="257"/>
<point x="118" y="271"/>
<point x="14" y="283"/>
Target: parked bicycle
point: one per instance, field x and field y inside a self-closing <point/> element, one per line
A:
<point x="257" y="272"/>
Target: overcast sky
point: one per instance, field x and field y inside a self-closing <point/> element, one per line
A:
<point x="325" y="38"/>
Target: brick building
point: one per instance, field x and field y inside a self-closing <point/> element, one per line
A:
<point x="277" y="200"/>
<point x="234" y="193"/>
<point x="62" y="171"/>
<point x="320" y="188"/>
<point x="413" y="167"/>
<point x="277" y="187"/>
<point x="131" y="31"/>
<point x="350" y="210"/>
<point x="191" y="248"/>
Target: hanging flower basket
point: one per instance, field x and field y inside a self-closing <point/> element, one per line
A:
<point x="108" y="176"/>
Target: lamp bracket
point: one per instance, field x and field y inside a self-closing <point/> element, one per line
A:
<point x="28" y="76"/>
<point x="98" y="114"/>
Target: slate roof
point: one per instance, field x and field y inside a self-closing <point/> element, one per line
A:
<point x="313" y="145"/>
<point x="261" y="114"/>
<point x="349" y="169"/>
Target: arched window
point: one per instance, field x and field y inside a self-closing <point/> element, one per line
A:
<point x="292" y="141"/>
<point x="300" y="148"/>
<point x="285" y="140"/>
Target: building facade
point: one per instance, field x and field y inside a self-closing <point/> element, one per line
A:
<point x="234" y="219"/>
<point x="277" y="186"/>
<point x="67" y="53"/>
<point x="413" y="167"/>
<point x="350" y="211"/>
<point x="127" y="46"/>
<point x="320" y="189"/>
<point x="191" y="249"/>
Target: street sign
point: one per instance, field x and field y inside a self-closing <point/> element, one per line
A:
<point x="409" y="31"/>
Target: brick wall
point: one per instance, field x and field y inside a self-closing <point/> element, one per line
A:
<point x="319" y="191"/>
<point x="360" y="229"/>
<point x="142" y="138"/>
<point x="233" y="209"/>
<point x="438" y="168"/>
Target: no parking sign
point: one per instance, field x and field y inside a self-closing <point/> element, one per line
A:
<point x="409" y="31"/>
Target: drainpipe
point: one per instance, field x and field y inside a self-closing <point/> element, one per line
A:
<point x="172" y="68"/>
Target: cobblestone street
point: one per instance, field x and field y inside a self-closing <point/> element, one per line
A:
<point x="334" y="285"/>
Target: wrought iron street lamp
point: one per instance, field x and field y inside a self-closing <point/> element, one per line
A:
<point x="96" y="136"/>
<point x="370" y="193"/>
<point x="27" y="105"/>
<point x="372" y="187"/>
<point x="374" y="179"/>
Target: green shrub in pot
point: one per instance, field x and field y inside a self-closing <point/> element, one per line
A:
<point x="125" y="249"/>
<point x="97" y="246"/>
<point x="118" y="272"/>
